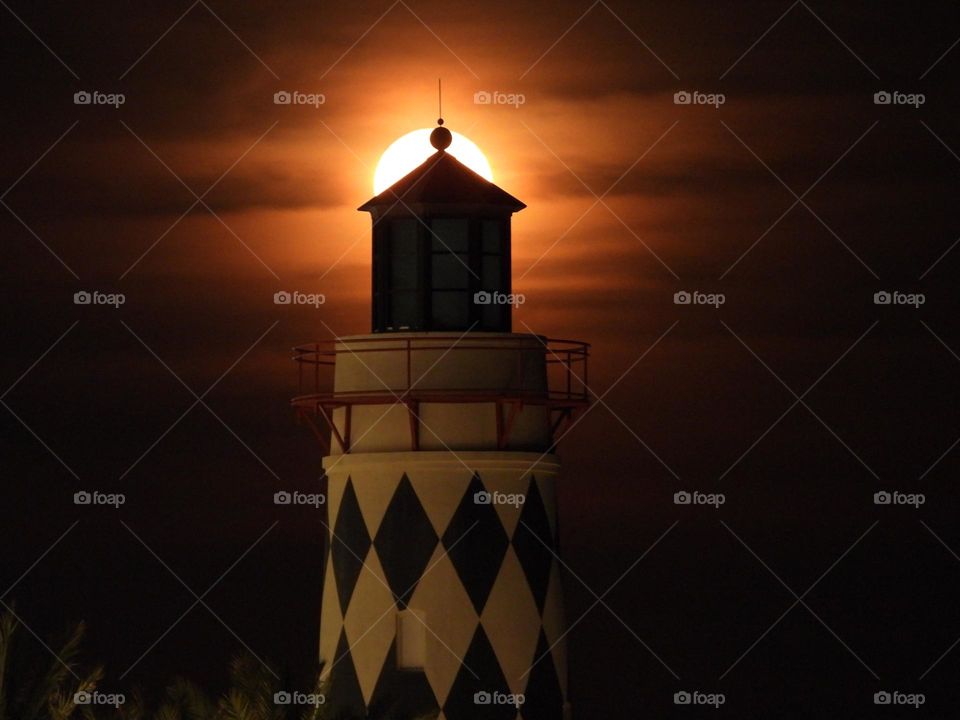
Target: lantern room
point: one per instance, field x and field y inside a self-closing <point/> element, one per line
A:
<point x="441" y="249"/>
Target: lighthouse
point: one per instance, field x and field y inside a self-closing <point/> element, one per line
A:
<point x="442" y="582"/>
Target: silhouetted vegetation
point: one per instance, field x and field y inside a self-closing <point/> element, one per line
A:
<point x="43" y="681"/>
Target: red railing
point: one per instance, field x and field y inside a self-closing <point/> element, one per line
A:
<point x="566" y="366"/>
<point x="559" y="384"/>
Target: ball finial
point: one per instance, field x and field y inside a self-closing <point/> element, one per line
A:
<point x="441" y="138"/>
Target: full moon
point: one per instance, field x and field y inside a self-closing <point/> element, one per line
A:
<point x="409" y="151"/>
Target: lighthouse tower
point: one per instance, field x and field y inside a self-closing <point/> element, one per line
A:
<point x="441" y="594"/>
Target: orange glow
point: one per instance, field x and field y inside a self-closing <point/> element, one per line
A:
<point x="409" y="151"/>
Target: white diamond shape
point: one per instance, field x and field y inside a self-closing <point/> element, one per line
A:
<point x="512" y="622"/>
<point x="371" y="624"/>
<point x="451" y="620"/>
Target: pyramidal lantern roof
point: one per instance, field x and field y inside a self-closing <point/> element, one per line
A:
<point x="443" y="180"/>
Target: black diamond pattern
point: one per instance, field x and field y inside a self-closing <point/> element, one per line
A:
<point x="345" y="696"/>
<point x="482" y="661"/>
<point x="543" y="699"/>
<point x="349" y="546"/>
<point x="405" y="542"/>
<point x="535" y="556"/>
<point x="476" y="543"/>
<point x="402" y="693"/>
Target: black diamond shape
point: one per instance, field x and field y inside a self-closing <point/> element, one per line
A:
<point x="402" y="693"/>
<point x="405" y="542"/>
<point x="348" y="546"/>
<point x="533" y="543"/>
<point x="344" y="698"/>
<point x="476" y="543"/>
<point x="480" y="661"/>
<point x="543" y="699"/>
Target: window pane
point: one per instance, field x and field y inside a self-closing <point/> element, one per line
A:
<point x="403" y="310"/>
<point x="451" y="235"/>
<point x="490" y="317"/>
<point x="490" y="272"/>
<point x="450" y="271"/>
<point x="403" y="272"/>
<point x="491" y="237"/>
<point x="450" y="310"/>
<point x="403" y="236"/>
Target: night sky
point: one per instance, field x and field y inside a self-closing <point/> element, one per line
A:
<point x="798" y="198"/>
